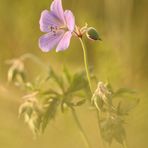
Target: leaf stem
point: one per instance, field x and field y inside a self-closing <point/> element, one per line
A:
<point x="82" y="133"/>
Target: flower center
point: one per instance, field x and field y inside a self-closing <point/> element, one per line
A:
<point x="54" y="29"/>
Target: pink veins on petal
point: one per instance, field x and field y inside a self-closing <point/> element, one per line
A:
<point x="58" y="26"/>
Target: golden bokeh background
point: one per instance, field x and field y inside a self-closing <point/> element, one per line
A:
<point x="121" y="57"/>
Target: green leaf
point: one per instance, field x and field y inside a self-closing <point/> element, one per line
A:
<point x="81" y="102"/>
<point x="25" y="108"/>
<point x="112" y="128"/>
<point x="110" y="88"/>
<point x="67" y="74"/>
<point x="57" y="79"/>
<point x="119" y="133"/>
<point x="49" y="113"/>
<point x="106" y="130"/>
<point x="78" y="83"/>
<point x="123" y="91"/>
<point x="125" y="106"/>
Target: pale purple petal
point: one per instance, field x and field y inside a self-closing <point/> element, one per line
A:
<point x="48" y="19"/>
<point x="70" y="20"/>
<point x="57" y="9"/>
<point x="64" y="42"/>
<point x="48" y="41"/>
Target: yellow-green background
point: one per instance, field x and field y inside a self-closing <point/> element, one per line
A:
<point x="121" y="57"/>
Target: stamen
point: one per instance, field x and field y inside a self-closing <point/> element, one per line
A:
<point x="53" y="28"/>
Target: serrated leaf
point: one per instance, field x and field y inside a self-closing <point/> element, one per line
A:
<point x="49" y="113"/>
<point x="124" y="107"/>
<point x="123" y="91"/>
<point x="78" y="82"/>
<point x="57" y="79"/>
<point x="119" y="133"/>
<point x="106" y="130"/>
<point x="67" y="74"/>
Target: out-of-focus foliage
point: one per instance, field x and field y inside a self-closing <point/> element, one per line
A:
<point x="121" y="58"/>
<point x="112" y="116"/>
<point x="45" y="96"/>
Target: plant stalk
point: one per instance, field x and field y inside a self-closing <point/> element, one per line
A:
<point x="86" y="64"/>
<point x="90" y="85"/>
<point x="125" y="144"/>
<point x="82" y="133"/>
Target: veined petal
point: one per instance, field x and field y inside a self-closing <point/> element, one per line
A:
<point x="57" y="9"/>
<point x="64" y="42"/>
<point x="48" y="41"/>
<point x="48" y="19"/>
<point x="70" y="20"/>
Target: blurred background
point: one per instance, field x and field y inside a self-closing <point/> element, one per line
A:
<point x="121" y="57"/>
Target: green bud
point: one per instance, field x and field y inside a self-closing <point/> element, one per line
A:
<point x="92" y="34"/>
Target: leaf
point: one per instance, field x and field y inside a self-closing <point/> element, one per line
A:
<point x="106" y="130"/>
<point x="67" y="74"/>
<point x="29" y="86"/>
<point x="112" y="128"/>
<point x="119" y="133"/>
<point x="123" y="91"/>
<point x="49" y="113"/>
<point x="110" y="88"/>
<point x="78" y="83"/>
<point x="81" y="102"/>
<point x="49" y="93"/>
<point x="25" y="108"/>
<point x="124" y="107"/>
<point x="57" y="79"/>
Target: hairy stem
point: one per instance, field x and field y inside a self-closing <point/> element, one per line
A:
<point x="86" y="64"/>
<point x="90" y="85"/>
<point x="82" y="133"/>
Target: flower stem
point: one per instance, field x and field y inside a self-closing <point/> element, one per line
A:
<point x="85" y="139"/>
<point x="124" y="144"/>
<point x="90" y="85"/>
<point x="86" y="64"/>
<point x="99" y="133"/>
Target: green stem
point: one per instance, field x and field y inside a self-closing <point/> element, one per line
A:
<point x="124" y="144"/>
<point x="99" y="133"/>
<point x="86" y="64"/>
<point x="85" y="139"/>
<point x="89" y="81"/>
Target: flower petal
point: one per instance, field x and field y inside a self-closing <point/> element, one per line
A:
<point x="70" y="20"/>
<point x="48" y="41"/>
<point x="48" y="19"/>
<point x="57" y="9"/>
<point x="65" y="41"/>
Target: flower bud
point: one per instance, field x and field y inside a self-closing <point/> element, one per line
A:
<point x="101" y="96"/>
<point x="92" y="34"/>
